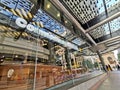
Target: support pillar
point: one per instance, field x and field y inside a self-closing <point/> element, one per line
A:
<point x="102" y="61"/>
<point x="26" y="57"/>
<point x="67" y="57"/>
<point x="52" y="52"/>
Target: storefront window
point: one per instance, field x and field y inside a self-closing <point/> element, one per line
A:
<point x="31" y="57"/>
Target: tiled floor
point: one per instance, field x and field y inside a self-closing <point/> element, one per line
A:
<point x="112" y="82"/>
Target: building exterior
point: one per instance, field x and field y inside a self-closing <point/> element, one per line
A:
<point x="44" y="43"/>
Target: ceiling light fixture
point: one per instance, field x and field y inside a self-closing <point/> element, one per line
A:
<point x="48" y="6"/>
<point x="16" y="56"/>
<point x="65" y="21"/>
<point x="58" y="14"/>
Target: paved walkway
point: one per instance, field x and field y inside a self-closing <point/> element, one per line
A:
<point x="112" y="82"/>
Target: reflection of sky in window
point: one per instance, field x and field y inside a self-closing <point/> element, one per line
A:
<point x="110" y="3"/>
<point x="24" y="4"/>
<point x="100" y="31"/>
<point x="115" y="24"/>
<point x="9" y="3"/>
<point x="4" y="12"/>
<point x="49" y="22"/>
<point x="5" y="16"/>
<point x="100" y="6"/>
<point x="106" y="29"/>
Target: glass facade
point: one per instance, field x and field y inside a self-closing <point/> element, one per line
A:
<point x="35" y="54"/>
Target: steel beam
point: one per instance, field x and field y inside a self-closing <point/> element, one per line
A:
<point x="103" y="22"/>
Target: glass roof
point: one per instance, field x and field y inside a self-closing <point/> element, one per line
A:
<point x="86" y="10"/>
<point x="112" y="4"/>
<point x="100" y="6"/>
<point x="94" y="11"/>
<point x="100" y="31"/>
<point x="104" y="29"/>
<point x="115" y="24"/>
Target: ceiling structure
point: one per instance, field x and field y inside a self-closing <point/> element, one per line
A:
<point x="100" y="19"/>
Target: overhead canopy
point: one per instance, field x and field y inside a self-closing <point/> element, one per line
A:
<point x="99" y="18"/>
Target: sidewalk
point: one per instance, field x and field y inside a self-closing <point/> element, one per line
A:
<point x="112" y="82"/>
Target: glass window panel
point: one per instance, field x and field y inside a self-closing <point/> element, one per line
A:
<point x="85" y="8"/>
<point x="100" y="6"/>
<point x="115" y="24"/>
<point x="112" y="6"/>
<point x="111" y="3"/>
<point x="106" y="29"/>
<point x="101" y="10"/>
<point x="9" y="3"/>
<point x="100" y="31"/>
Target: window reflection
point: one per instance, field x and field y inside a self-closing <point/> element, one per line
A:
<point x="112" y="6"/>
<point x="115" y="24"/>
<point x="27" y="56"/>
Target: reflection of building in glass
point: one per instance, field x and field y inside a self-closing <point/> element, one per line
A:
<point x="41" y="45"/>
